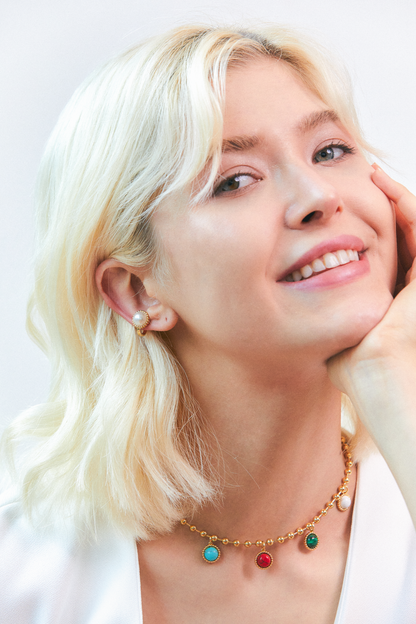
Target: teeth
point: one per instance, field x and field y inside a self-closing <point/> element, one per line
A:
<point x="318" y="265"/>
<point x="352" y="254"/>
<point x="342" y="256"/>
<point x="306" y="271"/>
<point x="327" y="261"/>
<point x="330" y="261"/>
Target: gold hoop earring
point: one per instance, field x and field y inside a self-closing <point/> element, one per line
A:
<point x="140" y="320"/>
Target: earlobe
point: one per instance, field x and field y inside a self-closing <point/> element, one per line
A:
<point x="123" y="290"/>
<point x="162" y="317"/>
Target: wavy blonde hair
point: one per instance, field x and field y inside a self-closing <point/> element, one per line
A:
<point x="119" y="440"/>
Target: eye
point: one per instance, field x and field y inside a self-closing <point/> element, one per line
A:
<point x="234" y="183"/>
<point x="333" y="152"/>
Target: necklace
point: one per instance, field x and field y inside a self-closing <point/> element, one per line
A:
<point x="211" y="552"/>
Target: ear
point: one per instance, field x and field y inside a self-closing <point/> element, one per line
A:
<point x="126" y="290"/>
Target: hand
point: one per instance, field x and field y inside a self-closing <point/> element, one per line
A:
<point x="392" y="343"/>
<point x="405" y="207"/>
<point x="379" y="374"/>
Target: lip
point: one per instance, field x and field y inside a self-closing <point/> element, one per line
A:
<point x="332" y="278"/>
<point x="346" y="241"/>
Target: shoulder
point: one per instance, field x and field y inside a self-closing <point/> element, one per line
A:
<point x="382" y="529"/>
<point x="379" y="496"/>
<point x="54" y="576"/>
<point x="380" y="575"/>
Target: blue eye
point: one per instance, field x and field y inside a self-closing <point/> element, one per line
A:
<point x="234" y="183"/>
<point x="333" y="152"/>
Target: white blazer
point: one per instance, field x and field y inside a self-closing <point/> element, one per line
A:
<point x="50" y="579"/>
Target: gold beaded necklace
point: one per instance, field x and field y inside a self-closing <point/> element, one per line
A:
<point x="211" y="552"/>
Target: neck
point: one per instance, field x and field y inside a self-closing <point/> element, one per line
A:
<point x="279" y="437"/>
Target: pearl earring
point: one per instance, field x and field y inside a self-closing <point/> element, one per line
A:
<point x="141" y="320"/>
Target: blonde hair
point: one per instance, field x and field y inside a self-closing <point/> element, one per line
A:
<point x="118" y="440"/>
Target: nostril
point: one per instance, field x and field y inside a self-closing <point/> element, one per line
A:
<point x="312" y="216"/>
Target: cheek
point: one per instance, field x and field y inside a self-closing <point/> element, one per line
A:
<point x="218" y="268"/>
<point x="198" y="255"/>
<point x="214" y="249"/>
<point x="381" y="215"/>
<point x="370" y="205"/>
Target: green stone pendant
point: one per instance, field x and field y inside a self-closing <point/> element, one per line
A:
<point x="311" y="541"/>
<point x="211" y="553"/>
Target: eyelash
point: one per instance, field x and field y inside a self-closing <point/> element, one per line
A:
<point x="347" y="149"/>
<point x="223" y="181"/>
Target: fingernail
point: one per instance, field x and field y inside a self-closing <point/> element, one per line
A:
<point x="376" y="166"/>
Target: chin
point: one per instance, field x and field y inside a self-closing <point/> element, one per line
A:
<point x="358" y="321"/>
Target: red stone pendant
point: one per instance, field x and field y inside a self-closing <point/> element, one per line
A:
<point x="263" y="560"/>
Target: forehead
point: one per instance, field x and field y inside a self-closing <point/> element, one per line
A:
<point x="264" y="96"/>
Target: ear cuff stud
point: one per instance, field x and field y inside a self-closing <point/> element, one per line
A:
<point x="140" y="320"/>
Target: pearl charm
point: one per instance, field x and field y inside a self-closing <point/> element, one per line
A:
<point x="344" y="503"/>
<point x="140" y="320"/>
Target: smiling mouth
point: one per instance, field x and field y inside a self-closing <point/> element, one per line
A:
<point x="325" y="262"/>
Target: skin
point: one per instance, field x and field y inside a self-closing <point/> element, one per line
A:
<point x="267" y="359"/>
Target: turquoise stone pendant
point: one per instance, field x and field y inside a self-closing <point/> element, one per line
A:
<point x="311" y="541"/>
<point x="211" y="553"/>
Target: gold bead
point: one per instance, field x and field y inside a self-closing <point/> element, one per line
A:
<point x="183" y="521"/>
<point x="203" y="533"/>
<point x="345" y="480"/>
<point x="290" y="535"/>
<point x="247" y="544"/>
<point x="225" y="541"/>
<point x="330" y="505"/>
<point x="342" y="440"/>
<point x="280" y="540"/>
<point x="349" y="464"/>
<point x="324" y="512"/>
<point x="309" y="525"/>
<point x="214" y="538"/>
<point x="259" y="543"/>
<point x="300" y="531"/>
<point x="347" y="471"/>
<point x="348" y="455"/>
<point x="236" y="542"/>
<point x="345" y="447"/>
<point x="270" y="542"/>
<point x="192" y="528"/>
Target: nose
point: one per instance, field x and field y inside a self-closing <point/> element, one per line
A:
<point x="311" y="198"/>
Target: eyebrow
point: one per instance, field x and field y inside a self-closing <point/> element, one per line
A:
<point x="245" y="142"/>
<point x="318" y="118"/>
<point x="240" y="143"/>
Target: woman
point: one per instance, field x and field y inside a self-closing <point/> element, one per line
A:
<point x="217" y="262"/>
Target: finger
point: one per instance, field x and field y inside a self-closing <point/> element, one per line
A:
<point x="402" y="197"/>
<point x="404" y="255"/>
<point x="405" y="203"/>
<point x="411" y="274"/>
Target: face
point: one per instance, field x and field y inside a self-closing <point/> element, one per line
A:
<point x="293" y="199"/>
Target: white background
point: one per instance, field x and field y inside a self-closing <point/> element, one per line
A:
<point x="47" y="47"/>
